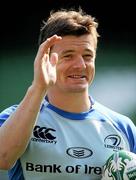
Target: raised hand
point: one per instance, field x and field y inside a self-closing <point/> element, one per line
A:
<point x="45" y="65"/>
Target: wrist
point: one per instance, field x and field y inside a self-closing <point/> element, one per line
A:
<point x="37" y="90"/>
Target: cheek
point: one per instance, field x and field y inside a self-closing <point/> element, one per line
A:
<point x="62" y="68"/>
<point x="91" y="71"/>
<point x="60" y="73"/>
<point x="91" y="68"/>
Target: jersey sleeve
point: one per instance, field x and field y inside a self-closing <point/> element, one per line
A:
<point x="6" y="113"/>
<point x="127" y="126"/>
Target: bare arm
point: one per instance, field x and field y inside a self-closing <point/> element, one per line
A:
<point x="16" y="131"/>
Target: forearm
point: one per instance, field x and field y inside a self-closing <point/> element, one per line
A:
<point x="16" y="131"/>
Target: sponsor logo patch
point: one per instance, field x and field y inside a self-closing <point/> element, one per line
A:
<point x="113" y="141"/>
<point x="44" y="135"/>
<point x="79" y="152"/>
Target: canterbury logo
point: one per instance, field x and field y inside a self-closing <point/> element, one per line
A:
<point x="43" y="133"/>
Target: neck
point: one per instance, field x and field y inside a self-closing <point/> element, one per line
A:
<point x="72" y="102"/>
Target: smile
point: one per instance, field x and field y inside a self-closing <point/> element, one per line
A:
<point x="77" y="76"/>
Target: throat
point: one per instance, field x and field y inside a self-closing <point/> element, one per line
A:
<point x="73" y="103"/>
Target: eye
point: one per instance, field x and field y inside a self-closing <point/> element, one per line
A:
<point x="88" y="57"/>
<point x="68" y="56"/>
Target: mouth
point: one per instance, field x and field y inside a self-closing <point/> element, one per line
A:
<point x="75" y="76"/>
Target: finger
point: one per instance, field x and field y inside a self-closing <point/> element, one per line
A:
<point x="54" y="59"/>
<point x="45" y="58"/>
<point x="46" y="45"/>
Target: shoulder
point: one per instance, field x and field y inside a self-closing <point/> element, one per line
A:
<point x="113" y="116"/>
<point x="6" y="113"/>
<point x="111" y="113"/>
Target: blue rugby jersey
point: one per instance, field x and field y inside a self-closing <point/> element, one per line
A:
<point x="72" y="146"/>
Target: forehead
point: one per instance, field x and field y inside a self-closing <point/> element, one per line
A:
<point x="75" y="42"/>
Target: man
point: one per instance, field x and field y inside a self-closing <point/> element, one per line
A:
<point x="58" y="131"/>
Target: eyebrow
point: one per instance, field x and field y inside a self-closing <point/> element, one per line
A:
<point x="71" y="51"/>
<point x="67" y="51"/>
<point x="89" y="50"/>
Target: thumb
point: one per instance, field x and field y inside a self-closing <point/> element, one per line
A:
<point x="54" y="59"/>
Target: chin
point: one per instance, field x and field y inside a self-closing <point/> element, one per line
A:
<point x="78" y="89"/>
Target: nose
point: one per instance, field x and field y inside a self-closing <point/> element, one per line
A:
<point x="79" y="62"/>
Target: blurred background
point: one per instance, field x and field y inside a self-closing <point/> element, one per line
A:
<point x="115" y="81"/>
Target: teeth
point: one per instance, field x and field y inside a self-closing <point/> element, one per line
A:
<point x="77" y="76"/>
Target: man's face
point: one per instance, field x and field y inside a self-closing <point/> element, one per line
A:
<point x="76" y="63"/>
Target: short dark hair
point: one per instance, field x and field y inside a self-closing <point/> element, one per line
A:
<point x="68" y="22"/>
